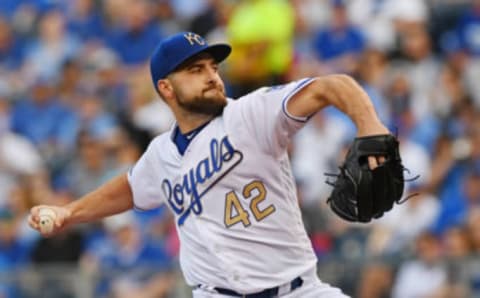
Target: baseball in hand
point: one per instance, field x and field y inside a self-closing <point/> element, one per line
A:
<point x="47" y="220"/>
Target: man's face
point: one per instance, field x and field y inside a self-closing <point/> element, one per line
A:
<point x="198" y="87"/>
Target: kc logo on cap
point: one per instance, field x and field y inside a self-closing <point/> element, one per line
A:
<point x="194" y="38"/>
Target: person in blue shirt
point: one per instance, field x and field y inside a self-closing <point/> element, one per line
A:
<point x="459" y="194"/>
<point x="85" y="21"/>
<point x="339" y="39"/>
<point x="44" y="120"/>
<point x="128" y="261"/>
<point x="9" y="7"/>
<point x="468" y="29"/>
<point x="138" y="35"/>
<point x="11" y="46"/>
<point x="50" y="125"/>
<point x="46" y="53"/>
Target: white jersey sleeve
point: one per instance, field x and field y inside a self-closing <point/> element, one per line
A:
<point x="264" y="115"/>
<point x="143" y="180"/>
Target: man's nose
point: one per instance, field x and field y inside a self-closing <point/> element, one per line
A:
<point x="212" y="74"/>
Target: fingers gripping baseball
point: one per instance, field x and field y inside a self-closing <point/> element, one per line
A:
<point x="48" y="220"/>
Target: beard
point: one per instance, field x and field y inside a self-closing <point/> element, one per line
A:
<point x="209" y="103"/>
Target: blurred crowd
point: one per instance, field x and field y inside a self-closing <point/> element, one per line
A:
<point x="77" y="107"/>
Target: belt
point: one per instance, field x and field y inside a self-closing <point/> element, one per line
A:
<point x="267" y="293"/>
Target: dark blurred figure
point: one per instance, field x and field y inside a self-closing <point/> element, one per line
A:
<point x="449" y="92"/>
<point x="444" y="18"/>
<point x="62" y="249"/>
<point x="469" y="274"/>
<point x="422" y="67"/>
<point x="90" y="168"/>
<point x="106" y="77"/>
<point x="69" y="83"/>
<point x="210" y="19"/>
<point x="11" y="50"/>
<point x="376" y="281"/>
<point x="54" y="260"/>
<point x="14" y="254"/>
<point x="457" y="245"/>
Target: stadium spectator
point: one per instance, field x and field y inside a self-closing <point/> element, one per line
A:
<point x="11" y="47"/>
<point x="425" y="266"/>
<point x="261" y="32"/>
<point x="18" y="156"/>
<point x="84" y="19"/>
<point x="137" y="35"/>
<point x="129" y="265"/>
<point x="339" y="43"/>
<point x="90" y="169"/>
<point x="468" y="29"/>
<point x="46" y="122"/>
<point x="45" y="55"/>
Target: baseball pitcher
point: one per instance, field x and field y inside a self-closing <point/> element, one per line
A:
<point x="223" y="171"/>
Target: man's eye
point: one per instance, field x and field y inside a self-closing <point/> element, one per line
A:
<point x="195" y="69"/>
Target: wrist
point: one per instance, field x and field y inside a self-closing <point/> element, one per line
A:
<point x="69" y="213"/>
<point x="370" y="126"/>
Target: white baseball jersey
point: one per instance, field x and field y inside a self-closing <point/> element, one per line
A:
<point x="233" y="194"/>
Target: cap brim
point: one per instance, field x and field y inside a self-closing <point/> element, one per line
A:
<point x="219" y="52"/>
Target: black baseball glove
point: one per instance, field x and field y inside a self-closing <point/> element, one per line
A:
<point x="359" y="193"/>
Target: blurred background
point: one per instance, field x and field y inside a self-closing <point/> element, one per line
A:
<point x="77" y="107"/>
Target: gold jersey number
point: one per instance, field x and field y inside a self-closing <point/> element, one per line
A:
<point x="234" y="211"/>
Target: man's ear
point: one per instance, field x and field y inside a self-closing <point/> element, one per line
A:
<point x="164" y="88"/>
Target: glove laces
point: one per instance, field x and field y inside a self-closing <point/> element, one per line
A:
<point x="404" y="169"/>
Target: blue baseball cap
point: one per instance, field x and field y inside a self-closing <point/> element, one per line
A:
<point x="176" y="49"/>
